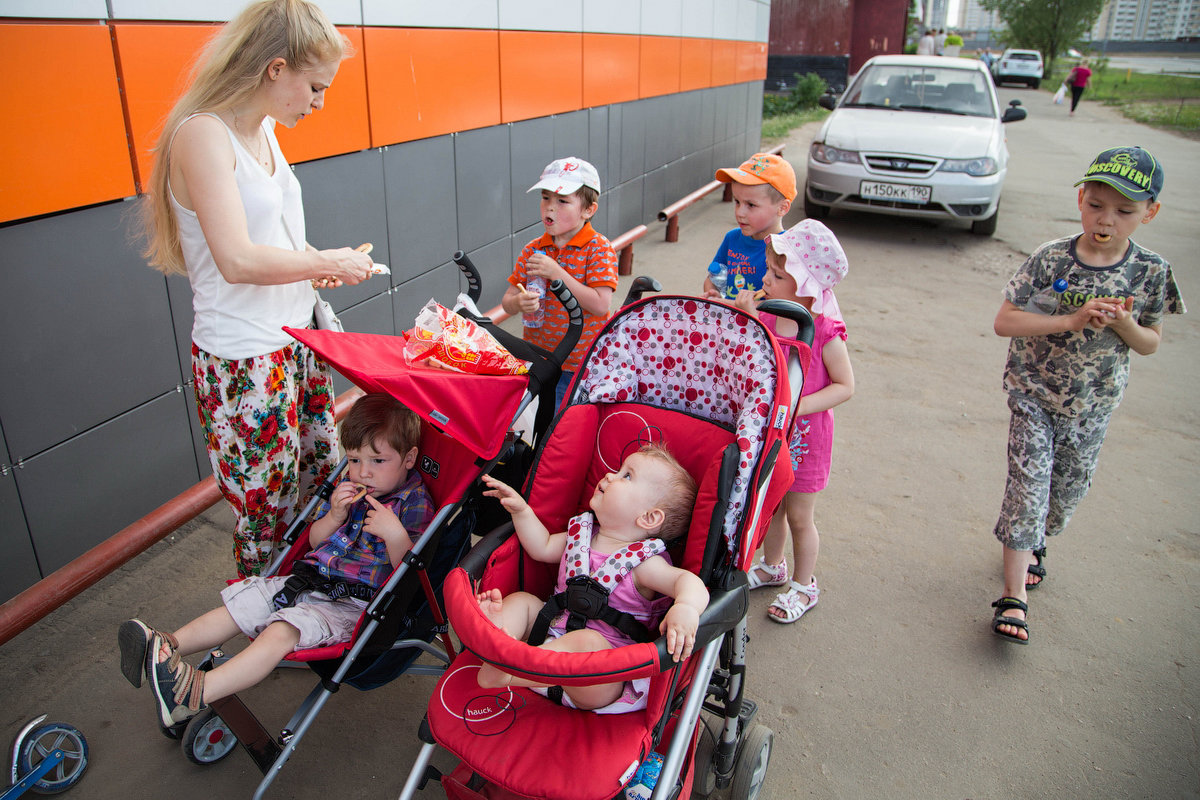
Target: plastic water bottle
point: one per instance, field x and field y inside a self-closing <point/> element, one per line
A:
<point x="537" y="286"/>
<point x="718" y="276"/>
<point x="641" y="786"/>
<point x="1046" y="301"/>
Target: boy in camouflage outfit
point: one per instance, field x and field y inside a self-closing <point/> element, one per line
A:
<point x="1067" y="370"/>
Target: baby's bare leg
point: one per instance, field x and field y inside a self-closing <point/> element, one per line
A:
<point x="514" y="614"/>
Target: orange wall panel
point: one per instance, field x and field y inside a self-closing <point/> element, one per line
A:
<point x="610" y="68"/>
<point x="695" y="64"/>
<point x="724" y="62"/>
<point x="540" y="74"/>
<point x="156" y="63"/>
<point x="751" y="61"/>
<point x="659" y="65"/>
<point x="63" y="136"/>
<point x="425" y="82"/>
<point x="342" y="125"/>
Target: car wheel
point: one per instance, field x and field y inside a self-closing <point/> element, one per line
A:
<point x="1035" y="83"/>
<point x="986" y="227"/>
<point x="814" y="210"/>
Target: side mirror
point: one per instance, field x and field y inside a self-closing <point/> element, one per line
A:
<point x="1013" y="114"/>
<point x="827" y="101"/>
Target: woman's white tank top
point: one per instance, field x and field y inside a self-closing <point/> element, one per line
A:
<point x="239" y="320"/>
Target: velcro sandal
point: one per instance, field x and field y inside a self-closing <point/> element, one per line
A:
<point x="777" y="574"/>
<point x="178" y="687"/>
<point x="795" y="602"/>
<point x="137" y="659"/>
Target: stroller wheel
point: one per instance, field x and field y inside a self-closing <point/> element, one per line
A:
<point x="207" y="739"/>
<point x="750" y="770"/>
<point x="44" y="740"/>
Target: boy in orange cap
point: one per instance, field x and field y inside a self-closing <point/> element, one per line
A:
<point x="764" y="187"/>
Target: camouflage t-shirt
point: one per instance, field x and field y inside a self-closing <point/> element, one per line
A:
<point x="1079" y="372"/>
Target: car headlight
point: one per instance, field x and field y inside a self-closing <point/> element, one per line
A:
<point x="831" y="155"/>
<point x="972" y="166"/>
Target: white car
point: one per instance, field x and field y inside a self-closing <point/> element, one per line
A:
<point x="916" y="136"/>
<point x="1018" y="66"/>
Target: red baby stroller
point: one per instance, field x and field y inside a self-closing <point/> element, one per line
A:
<point x="710" y="381"/>
<point x="462" y="438"/>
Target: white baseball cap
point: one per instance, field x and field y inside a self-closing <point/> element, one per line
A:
<point x="566" y="175"/>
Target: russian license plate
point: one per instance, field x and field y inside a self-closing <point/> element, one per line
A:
<point x="898" y="192"/>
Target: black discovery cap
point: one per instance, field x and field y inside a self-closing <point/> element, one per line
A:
<point x="1132" y="171"/>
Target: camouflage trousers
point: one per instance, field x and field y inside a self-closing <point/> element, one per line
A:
<point x="1051" y="459"/>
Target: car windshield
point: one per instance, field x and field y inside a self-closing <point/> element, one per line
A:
<point x="943" y="90"/>
<point x="1025" y="56"/>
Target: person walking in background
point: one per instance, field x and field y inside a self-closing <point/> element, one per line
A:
<point x="1077" y="81"/>
<point x="939" y="42"/>
<point x="926" y="44"/>
<point x="224" y="208"/>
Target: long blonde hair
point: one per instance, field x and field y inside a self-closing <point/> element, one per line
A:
<point x="230" y="69"/>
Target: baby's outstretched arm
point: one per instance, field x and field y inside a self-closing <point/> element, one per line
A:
<point x="691" y="598"/>
<point x="537" y="541"/>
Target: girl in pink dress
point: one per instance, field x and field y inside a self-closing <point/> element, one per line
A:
<point x="804" y="264"/>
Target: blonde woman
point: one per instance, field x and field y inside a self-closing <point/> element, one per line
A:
<point x="224" y="208"/>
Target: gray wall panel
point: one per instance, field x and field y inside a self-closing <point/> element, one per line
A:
<point x="633" y="140"/>
<point x="707" y="129"/>
<point x="654" y="192"/>
<point x="495" y="263"/>
<point x="571" y="138"/>
<point x="421" y="206"/>
<point x="616" y="121"/>
<point x="598" y="146"/>
<point x="484" y="182"/>
<point x="93" y="322"/>
<point x="115" y="473"/>
<point x="625" y="207"/>
<point x="18" y="568"/>
<point x="532" y="143"/>
<point x="344" y="206"/>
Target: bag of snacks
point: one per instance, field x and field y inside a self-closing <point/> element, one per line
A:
<point x="440" y="338"/>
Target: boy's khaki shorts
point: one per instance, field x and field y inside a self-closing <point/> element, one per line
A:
<point x="321" y="621"/>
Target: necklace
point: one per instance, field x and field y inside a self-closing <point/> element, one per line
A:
<point x="258" y="142"/>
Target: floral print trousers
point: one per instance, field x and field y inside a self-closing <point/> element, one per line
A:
<point x="271" y="439"/>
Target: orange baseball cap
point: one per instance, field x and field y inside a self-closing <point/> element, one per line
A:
<point x="761" y="168"/>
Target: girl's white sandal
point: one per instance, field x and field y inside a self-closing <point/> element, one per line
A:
<point x="777" y="574"/>
<point x="795" y="602"/>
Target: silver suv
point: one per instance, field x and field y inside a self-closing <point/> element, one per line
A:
<point x="1018" y="66"/>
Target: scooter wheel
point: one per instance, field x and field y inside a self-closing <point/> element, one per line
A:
<point x="44" y="740"/>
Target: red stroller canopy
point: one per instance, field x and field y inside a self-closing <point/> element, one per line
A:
<point x="475" y="410"/>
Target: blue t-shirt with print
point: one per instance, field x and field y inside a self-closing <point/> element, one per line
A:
<point x="745" y="261"/>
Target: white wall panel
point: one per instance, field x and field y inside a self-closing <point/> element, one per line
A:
<point x="747" y="21"/>
<point x="342" y="12"/>
<point x="697" y="19"/>
<point x="613" y="16"/>
<point x="725" y="19"/>
<point x="424" y="14"/>
<point x="68" y="9"/>
<point x="762" y="31"/>
<point x="662" y="17"/>
<point x="541" y="15"/>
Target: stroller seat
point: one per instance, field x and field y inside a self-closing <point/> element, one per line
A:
<point x="708" y="381"/>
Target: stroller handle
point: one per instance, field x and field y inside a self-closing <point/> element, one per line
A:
<point x="474" y="284"/>
<point x="641" y="284"/>
<point x="574" y="320"/>
<point x="795" y="312"/>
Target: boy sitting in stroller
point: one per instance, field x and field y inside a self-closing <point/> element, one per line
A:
<point x="637" y="511"/>
<point x="370" y="522"/>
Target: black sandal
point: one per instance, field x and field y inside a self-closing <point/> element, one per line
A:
<point x="1037" y="570"/>
<point x="1009" y="604"/>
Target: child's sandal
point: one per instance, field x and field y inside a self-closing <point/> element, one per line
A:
<point x="795" y="602"/>
<point x="777" y="574"/>
<point x="133" y="639"/>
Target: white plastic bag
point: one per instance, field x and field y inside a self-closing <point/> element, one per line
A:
<point x="1060" y="95"/>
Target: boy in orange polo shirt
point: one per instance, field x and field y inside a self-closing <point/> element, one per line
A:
<point x="571" y="251"/>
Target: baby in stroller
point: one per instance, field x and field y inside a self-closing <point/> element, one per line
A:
<point x="371" y="521"/>
<point x="636" y="512"/>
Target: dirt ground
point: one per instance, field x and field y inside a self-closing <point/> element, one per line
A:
<point x="894" y="686"/>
